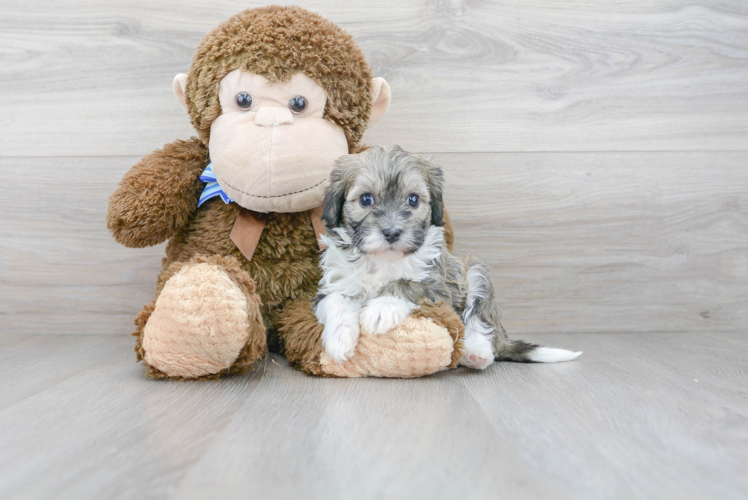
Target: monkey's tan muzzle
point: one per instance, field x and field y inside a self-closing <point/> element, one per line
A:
<point x="271" y="164"/>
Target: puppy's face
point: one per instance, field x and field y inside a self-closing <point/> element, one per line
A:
<point x="385" y="200"/>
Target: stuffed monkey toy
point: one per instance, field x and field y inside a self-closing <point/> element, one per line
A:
<point x="275" y="94"/>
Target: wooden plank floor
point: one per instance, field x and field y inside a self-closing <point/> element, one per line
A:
<point x="637" y="416"/>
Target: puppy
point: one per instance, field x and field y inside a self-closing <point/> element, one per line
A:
<point x="385" y="254"/>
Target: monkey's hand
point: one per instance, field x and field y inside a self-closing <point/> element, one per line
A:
<point x="157" y="196"/>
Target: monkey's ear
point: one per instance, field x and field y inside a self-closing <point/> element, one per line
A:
<point x="178" y="86"/>
<point x="380" y="99"/>
<point x="436" y="183"/>
<point x="334" y="201"/>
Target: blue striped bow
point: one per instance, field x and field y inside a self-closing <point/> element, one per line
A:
<point x="212" y="188"/>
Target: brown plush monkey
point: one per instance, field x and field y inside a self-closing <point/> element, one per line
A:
<point x="275" y="94"/>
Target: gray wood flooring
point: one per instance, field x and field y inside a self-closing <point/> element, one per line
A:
<point x="637" y="416"/>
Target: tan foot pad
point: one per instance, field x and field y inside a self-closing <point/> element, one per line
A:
<point x="200" y="323"/>
<point x="416" y="348"/>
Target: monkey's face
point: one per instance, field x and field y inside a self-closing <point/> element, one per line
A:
<point x="271" y="149"/>
<point x="272" y="145"/>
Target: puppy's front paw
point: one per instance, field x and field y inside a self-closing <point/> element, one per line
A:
<point x="340" y="338"/>
<point x="477" y="353"/>
<point x="384" y="313"/>
<point x="340" y="317"/>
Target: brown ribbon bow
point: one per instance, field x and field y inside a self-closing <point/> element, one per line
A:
<point x="249" y="225"/>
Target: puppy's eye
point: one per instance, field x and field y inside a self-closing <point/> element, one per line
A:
<point x="243" y="100"/>
<point x="413" y="200"/>
<point x="366" y="200"/>
<point x="297" y="105"/>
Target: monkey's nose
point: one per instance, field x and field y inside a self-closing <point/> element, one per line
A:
<point x="272" y="116"/>
<point x="392" y="234"/>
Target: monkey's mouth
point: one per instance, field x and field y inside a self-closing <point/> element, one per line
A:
<point x="275" y="195"/>
<point x="285" y="168"/>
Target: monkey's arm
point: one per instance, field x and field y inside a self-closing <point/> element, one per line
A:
<point x="157" y="196"/>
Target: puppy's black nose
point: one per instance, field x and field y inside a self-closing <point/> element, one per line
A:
<point x="392" y="234"/>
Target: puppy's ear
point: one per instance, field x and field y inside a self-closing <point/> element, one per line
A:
<point x="435" y="179"/>
<point x="334" y="200"/>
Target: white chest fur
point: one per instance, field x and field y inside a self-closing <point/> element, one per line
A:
<point x="359" y="276"/>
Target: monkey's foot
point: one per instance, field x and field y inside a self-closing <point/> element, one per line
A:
<point x="414" y="348"/>
<point x="206" y="321"/>
<point x="428" y="341"/>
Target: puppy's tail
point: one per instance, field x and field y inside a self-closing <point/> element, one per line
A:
<point x="524" y="352"/>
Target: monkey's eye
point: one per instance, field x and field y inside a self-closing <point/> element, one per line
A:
<point x="244" y="100"/>
<point x="413" y="200"/>
<point x="297" y="105"/>
<point x="366" y="200"/>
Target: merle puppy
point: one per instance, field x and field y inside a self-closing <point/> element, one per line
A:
<point x="385" y="254"/>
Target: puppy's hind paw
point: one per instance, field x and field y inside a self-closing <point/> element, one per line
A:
<point x="383" y="314"/>
<point x="477" y="353"/>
